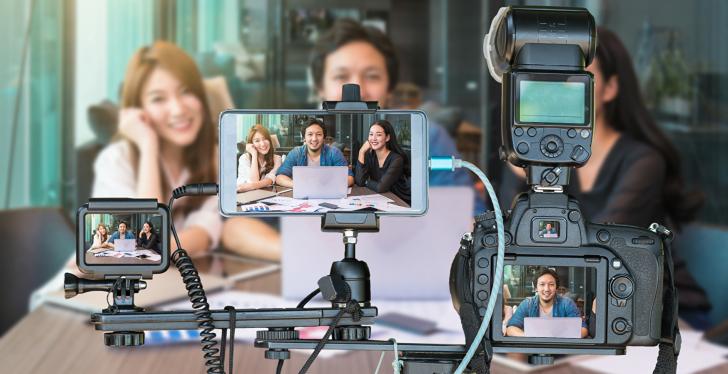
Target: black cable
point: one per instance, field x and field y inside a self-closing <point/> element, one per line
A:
<point x="352" y="306"/>
<point x="193" y="284"/>
<point x="18" y="96"/>
<point x="308" y="298"/>
<point x="279" y="368"/>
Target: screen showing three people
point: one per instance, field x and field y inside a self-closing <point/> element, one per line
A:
<point x="122" y="239"/>
<point x="320" y="162"/>
<point x="548" y="301"/>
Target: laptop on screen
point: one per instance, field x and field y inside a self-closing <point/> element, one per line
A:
<point x="125" y="245"/>
<point x="320" y="182"/>
<point x="555" y="327"/>
<point x="409" y="258"/>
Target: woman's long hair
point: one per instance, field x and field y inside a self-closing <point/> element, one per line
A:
<point x="198" y="156"/>
<point x="104" y="237"/>
<point x="268" y="157"/>
<point x="628" y="114"/>
<point x="392" y="144"/>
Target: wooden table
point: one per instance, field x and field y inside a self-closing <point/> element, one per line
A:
<point x="355" y="191"/>
<point x="108" y="260"/>
<point x="56" y="340"/>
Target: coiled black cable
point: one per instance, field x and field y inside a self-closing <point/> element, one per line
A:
<point x="193" y="284"/>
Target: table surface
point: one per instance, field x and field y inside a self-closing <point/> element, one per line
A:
<point x="108" y="260"/>
<point x="355" y="191"/>
<point x="56" y="340"/>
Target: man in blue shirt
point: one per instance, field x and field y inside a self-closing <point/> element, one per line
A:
<point x="546" y="303"/>
<point x="121" y="234"/>
<point x="313" y="153"/>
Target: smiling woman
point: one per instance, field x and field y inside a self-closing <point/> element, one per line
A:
<point x="166" y="138"/>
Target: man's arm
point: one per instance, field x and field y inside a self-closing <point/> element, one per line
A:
<point x="515" y="324"/>
<point x="284" y="180"/>
<point x="284" y="175"/>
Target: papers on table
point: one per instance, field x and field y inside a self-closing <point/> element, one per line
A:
<point x="351" y="203"/>
<point x="138" y="253"/>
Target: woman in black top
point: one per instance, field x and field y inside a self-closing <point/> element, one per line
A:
<point x="633" y="176"/>
<point x="148" y="239"/>
<point x="382" y="165"/>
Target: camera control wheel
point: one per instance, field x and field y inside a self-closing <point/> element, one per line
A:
<point x="552" y="146"/>
<point x="621" y="287"/>
<point x="124" y="338"/>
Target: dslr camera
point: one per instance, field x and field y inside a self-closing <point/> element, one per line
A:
<point x="601" y="284"/>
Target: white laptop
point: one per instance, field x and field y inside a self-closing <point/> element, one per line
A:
<point x="320" y="182"/>
<point x="552" y="327"/>
<point x="124" y="245"/>
<point x="409" y="258"/>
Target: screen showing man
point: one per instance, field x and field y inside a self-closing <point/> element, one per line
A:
<point x="124" y="246"/>
<point x="548" y="230"/>
<point x="547" y="301"/>
<point x="314" y="152"/>
<point x="328" y="162"/>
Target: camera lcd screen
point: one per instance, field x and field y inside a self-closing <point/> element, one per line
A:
<point x="122" y="239"/>
<point x="548" y="229"/>
<point x="548" y="301"/>
<point x="315" y="162"/>
<point x="551" y="102"/>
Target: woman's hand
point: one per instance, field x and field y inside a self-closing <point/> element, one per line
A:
<point x="243" y="187"/>
<point x="252" y="150"/>
<point x="134" y="125"/>
<point x="365" y="147"/>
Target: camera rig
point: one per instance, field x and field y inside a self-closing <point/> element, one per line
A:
<point x="525" y="45"/>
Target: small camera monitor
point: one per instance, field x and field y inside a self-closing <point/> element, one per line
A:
<point x="126" y="237"/>
<point x="313" y="162"/>
<point x="550" y="300"/>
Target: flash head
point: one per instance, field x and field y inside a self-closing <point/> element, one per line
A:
<point x="122" y="238"/>
<point x="539" y="55"/>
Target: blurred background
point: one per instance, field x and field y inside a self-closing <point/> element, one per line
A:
<point x="62" y="64"/>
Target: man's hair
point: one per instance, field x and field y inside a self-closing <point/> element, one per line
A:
<point x="311" y="122"/>
<point x="545" y="271"/>
<point x="124" y="222"/>
<point x="344" y="32"/>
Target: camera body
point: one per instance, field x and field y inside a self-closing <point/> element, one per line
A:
<point x="612" y="293"/>
<point x="136" y="241"/>
<point x="623" y="267"/>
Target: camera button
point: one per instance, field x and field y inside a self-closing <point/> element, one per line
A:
<point x="574" y="216"/>
<point x="617" y="263"/>
<point x="622" y="287"/>
<point x="532" y="131"/>
<point x="482" y="295"/>
<point x="482" y="279"/>
<point x="620" y="326"/>
<point x="522" y="148"/>
<point x="603" y="236"/>
<point x="483" y="263"/>
<point x="571" y="133"/>
<point x="585" y="133"/>
<point x="518" y="131"/>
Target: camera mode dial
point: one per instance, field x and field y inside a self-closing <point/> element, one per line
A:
<point x="621" y="287"/>
<point x="552" y="146"/>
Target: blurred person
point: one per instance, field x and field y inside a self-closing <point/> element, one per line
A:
<point x="314" y="152"/>
<point x="382" y="165"/>
<point x="148" y="239"/>
<point x="352" y="53"/>
<point x="262" y="172"/>
<point x="633" y="176"/>
<point x="547" y="303"/>
<point x="101" y="237"/>
<point x="166" y="138"/>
